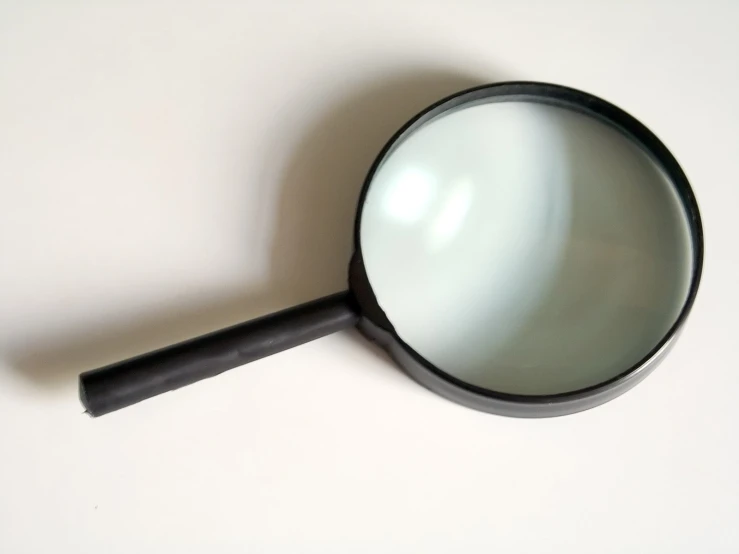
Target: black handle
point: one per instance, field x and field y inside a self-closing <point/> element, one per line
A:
<point x="124" y="383"/>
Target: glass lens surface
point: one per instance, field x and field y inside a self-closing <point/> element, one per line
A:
<point x="525" y="248"/>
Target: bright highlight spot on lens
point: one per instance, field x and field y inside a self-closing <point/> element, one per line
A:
<point x="409" y="195"/>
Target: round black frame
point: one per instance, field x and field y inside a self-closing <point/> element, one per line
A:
<point x="376" y="326"/>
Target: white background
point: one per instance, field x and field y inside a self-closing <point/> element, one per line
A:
<point x="170" y="167"/>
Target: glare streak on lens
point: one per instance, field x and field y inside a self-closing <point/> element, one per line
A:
<point x="452" y="214"/>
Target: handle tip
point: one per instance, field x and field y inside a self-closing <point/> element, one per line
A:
<point x="83" y="397"/>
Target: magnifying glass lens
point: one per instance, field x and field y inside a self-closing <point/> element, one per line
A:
<point x="526" y="248"/>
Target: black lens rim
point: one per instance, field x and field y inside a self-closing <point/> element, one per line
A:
<point x="376" y="325"/>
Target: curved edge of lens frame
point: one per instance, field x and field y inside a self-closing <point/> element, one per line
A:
<point x="507" y="404"/>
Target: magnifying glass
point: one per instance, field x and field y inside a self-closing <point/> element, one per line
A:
<point x="521" y="248"/>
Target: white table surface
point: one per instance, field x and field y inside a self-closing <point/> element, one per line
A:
<point x="168" y="168"/>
